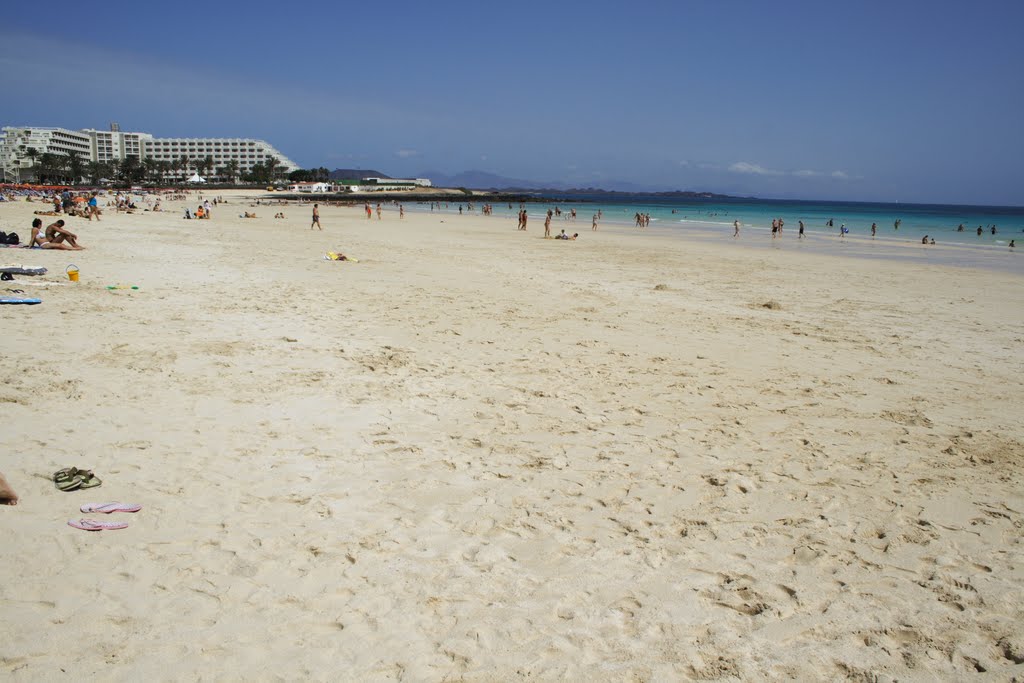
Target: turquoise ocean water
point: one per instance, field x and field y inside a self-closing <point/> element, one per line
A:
<point x="714" y="217"/>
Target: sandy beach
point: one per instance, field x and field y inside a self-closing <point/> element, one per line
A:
<point x="481" y="455"/>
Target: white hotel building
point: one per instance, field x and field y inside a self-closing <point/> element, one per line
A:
<point x="16" y="163"/>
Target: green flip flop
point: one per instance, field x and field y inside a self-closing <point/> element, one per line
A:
<point x="66" y="473"/>
<point x="68" y="482"/>
<point x="89" y="480"/>
<point x="72" y="479"/>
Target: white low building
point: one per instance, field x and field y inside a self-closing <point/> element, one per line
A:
<point x="315" y="188"/>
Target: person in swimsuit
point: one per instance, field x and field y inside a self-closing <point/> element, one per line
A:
<point x="316" y="217"/>
<point x="41" y="238"/>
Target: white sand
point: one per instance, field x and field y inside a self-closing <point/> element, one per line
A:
<point x="479" y="455"/>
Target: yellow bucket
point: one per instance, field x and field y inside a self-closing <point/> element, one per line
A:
<point x="72" y="272"/>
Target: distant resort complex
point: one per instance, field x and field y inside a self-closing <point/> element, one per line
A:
<point x="61" y="156"/>
<point x="30" y="153"/>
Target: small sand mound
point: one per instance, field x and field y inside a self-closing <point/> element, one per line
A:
<point x="772" y="305"/>
<point x="660" y="288"/>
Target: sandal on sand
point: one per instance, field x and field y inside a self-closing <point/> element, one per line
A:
<point x="89" y="480"/>
<point x="93" y="525"/>
<point x="107" y="508"/>
<point x="65" y="473"/>
<point x="68" y="479"/>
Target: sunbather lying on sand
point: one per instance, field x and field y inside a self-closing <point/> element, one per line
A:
<point x="7" y="494"/>
<point x="249" y="215"/>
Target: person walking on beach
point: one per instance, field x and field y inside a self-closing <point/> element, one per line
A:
<point x="873" y="229"/>
<point x="378" y="210"/>
<point x="401" y="211"/>
<point x="843" y="230"/>
<point x="775" y="227"/>
<point x="735" y="228"/>
<point x="94" y="207"/>
<point x="316" y="217"/>
<point x="547" y="226"/>
<point x="593" y="223"/>
<point x="801" y="226"/>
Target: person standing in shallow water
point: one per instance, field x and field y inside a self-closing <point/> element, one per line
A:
<point x="316" y="217"/>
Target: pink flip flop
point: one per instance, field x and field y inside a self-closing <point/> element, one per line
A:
<point x="93" y="525"/>
<point x="107" y="508"/>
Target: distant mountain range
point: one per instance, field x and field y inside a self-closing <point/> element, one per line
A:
<point x="355" y="174"/>
<point x="482" y="180"/>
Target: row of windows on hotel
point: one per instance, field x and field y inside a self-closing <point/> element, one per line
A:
<point x="215" y="156"/>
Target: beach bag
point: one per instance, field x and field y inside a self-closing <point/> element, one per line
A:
<point x="13" y="238"/>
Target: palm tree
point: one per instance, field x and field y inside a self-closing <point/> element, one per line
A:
<point x="183" y="163"/>
<point x="166" y="167"/>
<point x="232" y="170"/>
<point x="76" y="168"/>
<point x="48" y="166"/>
<point x="272" y="164"/>
<point x="96" y="170"/>
<point x="33" y="154"/>
<point x="152" y="168"/>
<point x="206" y="166"/>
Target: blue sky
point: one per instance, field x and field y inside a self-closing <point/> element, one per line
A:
<point x="883" y="101"/>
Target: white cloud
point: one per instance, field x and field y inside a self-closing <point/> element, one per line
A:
<point x="755" y="169"/>
<point x="407" y="153"/>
